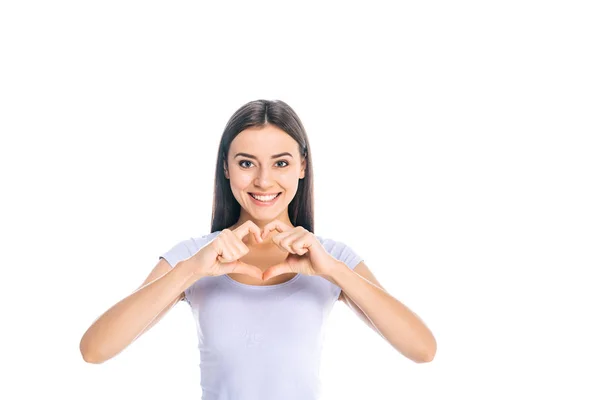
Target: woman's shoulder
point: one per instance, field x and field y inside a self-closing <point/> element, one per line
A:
<point x="186" y="248"/>
<point x="201" y="240"/>
<point x="340" y="250"/>
<point x="195" y="243"/>
<point x="330" y="243"/>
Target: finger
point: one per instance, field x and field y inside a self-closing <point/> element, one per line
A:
<point x="279" y="237"/>
<point x="296" y="239"/>
<point x="236" y="247"/>
<point x="275" y="225"/>
<point x="275" y="270"/>
<point x="246" y="228"/>
<point x="219" y="246"/>
<point x="229" y="252"/>
<point x="240" y="247"/>
<point x="240" y="267"/>
<point x="301" y="245"/>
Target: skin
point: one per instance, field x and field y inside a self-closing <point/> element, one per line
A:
<point x="286" y="250"/>
<point x="280" y="251"/>
<point x="264" y="175"/>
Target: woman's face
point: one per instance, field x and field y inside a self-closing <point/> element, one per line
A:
<point x="264" y="161"/>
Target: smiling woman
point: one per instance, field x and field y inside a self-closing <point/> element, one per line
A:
<point x="260" y="284"/>
<point x="265" y="176"/>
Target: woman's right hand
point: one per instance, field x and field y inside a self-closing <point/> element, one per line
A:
<point x="221" y="255"/>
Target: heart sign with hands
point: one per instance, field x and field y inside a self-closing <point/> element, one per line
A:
<point x="306" y="254"/>
<point x="222" y="255"/>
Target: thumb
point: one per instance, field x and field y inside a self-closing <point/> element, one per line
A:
<point x="240" y="267"/>
<point x="277" y="269"/>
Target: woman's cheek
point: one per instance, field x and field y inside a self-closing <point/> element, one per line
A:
<point x="290" y="183"/>
<point x="287" y="179"/>
<point x="242" y="181"/>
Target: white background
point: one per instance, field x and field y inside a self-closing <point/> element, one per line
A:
<point x="455" y="148"/>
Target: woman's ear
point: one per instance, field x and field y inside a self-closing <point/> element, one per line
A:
<point x="303" y="168"/>
<point x="226" y="172"/>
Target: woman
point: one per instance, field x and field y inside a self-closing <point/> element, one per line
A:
<point x="261" y="284"/>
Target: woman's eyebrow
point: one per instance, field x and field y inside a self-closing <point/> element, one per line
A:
<point x="273" y="156"/>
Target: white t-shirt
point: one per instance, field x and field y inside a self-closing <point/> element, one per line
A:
<point x="260" y="342"/>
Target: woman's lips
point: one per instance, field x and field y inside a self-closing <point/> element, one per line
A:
<point x="264" y="203"/>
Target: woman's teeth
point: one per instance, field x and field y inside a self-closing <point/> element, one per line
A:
<point x="264" y="198"/>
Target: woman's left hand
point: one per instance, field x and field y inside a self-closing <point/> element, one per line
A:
<point x="306" y="254"/>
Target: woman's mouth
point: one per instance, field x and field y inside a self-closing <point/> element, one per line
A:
<point x="264" y="200"/>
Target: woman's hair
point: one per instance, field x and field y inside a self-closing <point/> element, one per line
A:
<point x="226" y="210"/>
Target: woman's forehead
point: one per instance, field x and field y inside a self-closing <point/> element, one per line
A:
<point x="263" y="142"/>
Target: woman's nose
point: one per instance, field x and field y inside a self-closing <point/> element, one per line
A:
<point x="263" y="178"/>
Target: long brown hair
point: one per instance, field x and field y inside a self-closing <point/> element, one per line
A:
<point x="226" y="210"/>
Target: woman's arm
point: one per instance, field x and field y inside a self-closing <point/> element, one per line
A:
<point x="124" y="322"/>
<point x="400" y="326"/>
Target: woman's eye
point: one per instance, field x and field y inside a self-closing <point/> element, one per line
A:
<point x="241" y="163"/>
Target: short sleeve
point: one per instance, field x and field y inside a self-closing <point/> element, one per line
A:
<point x="181" y="251"/>
<point x="341" y="252"/>
<point x="349" y="256"/>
